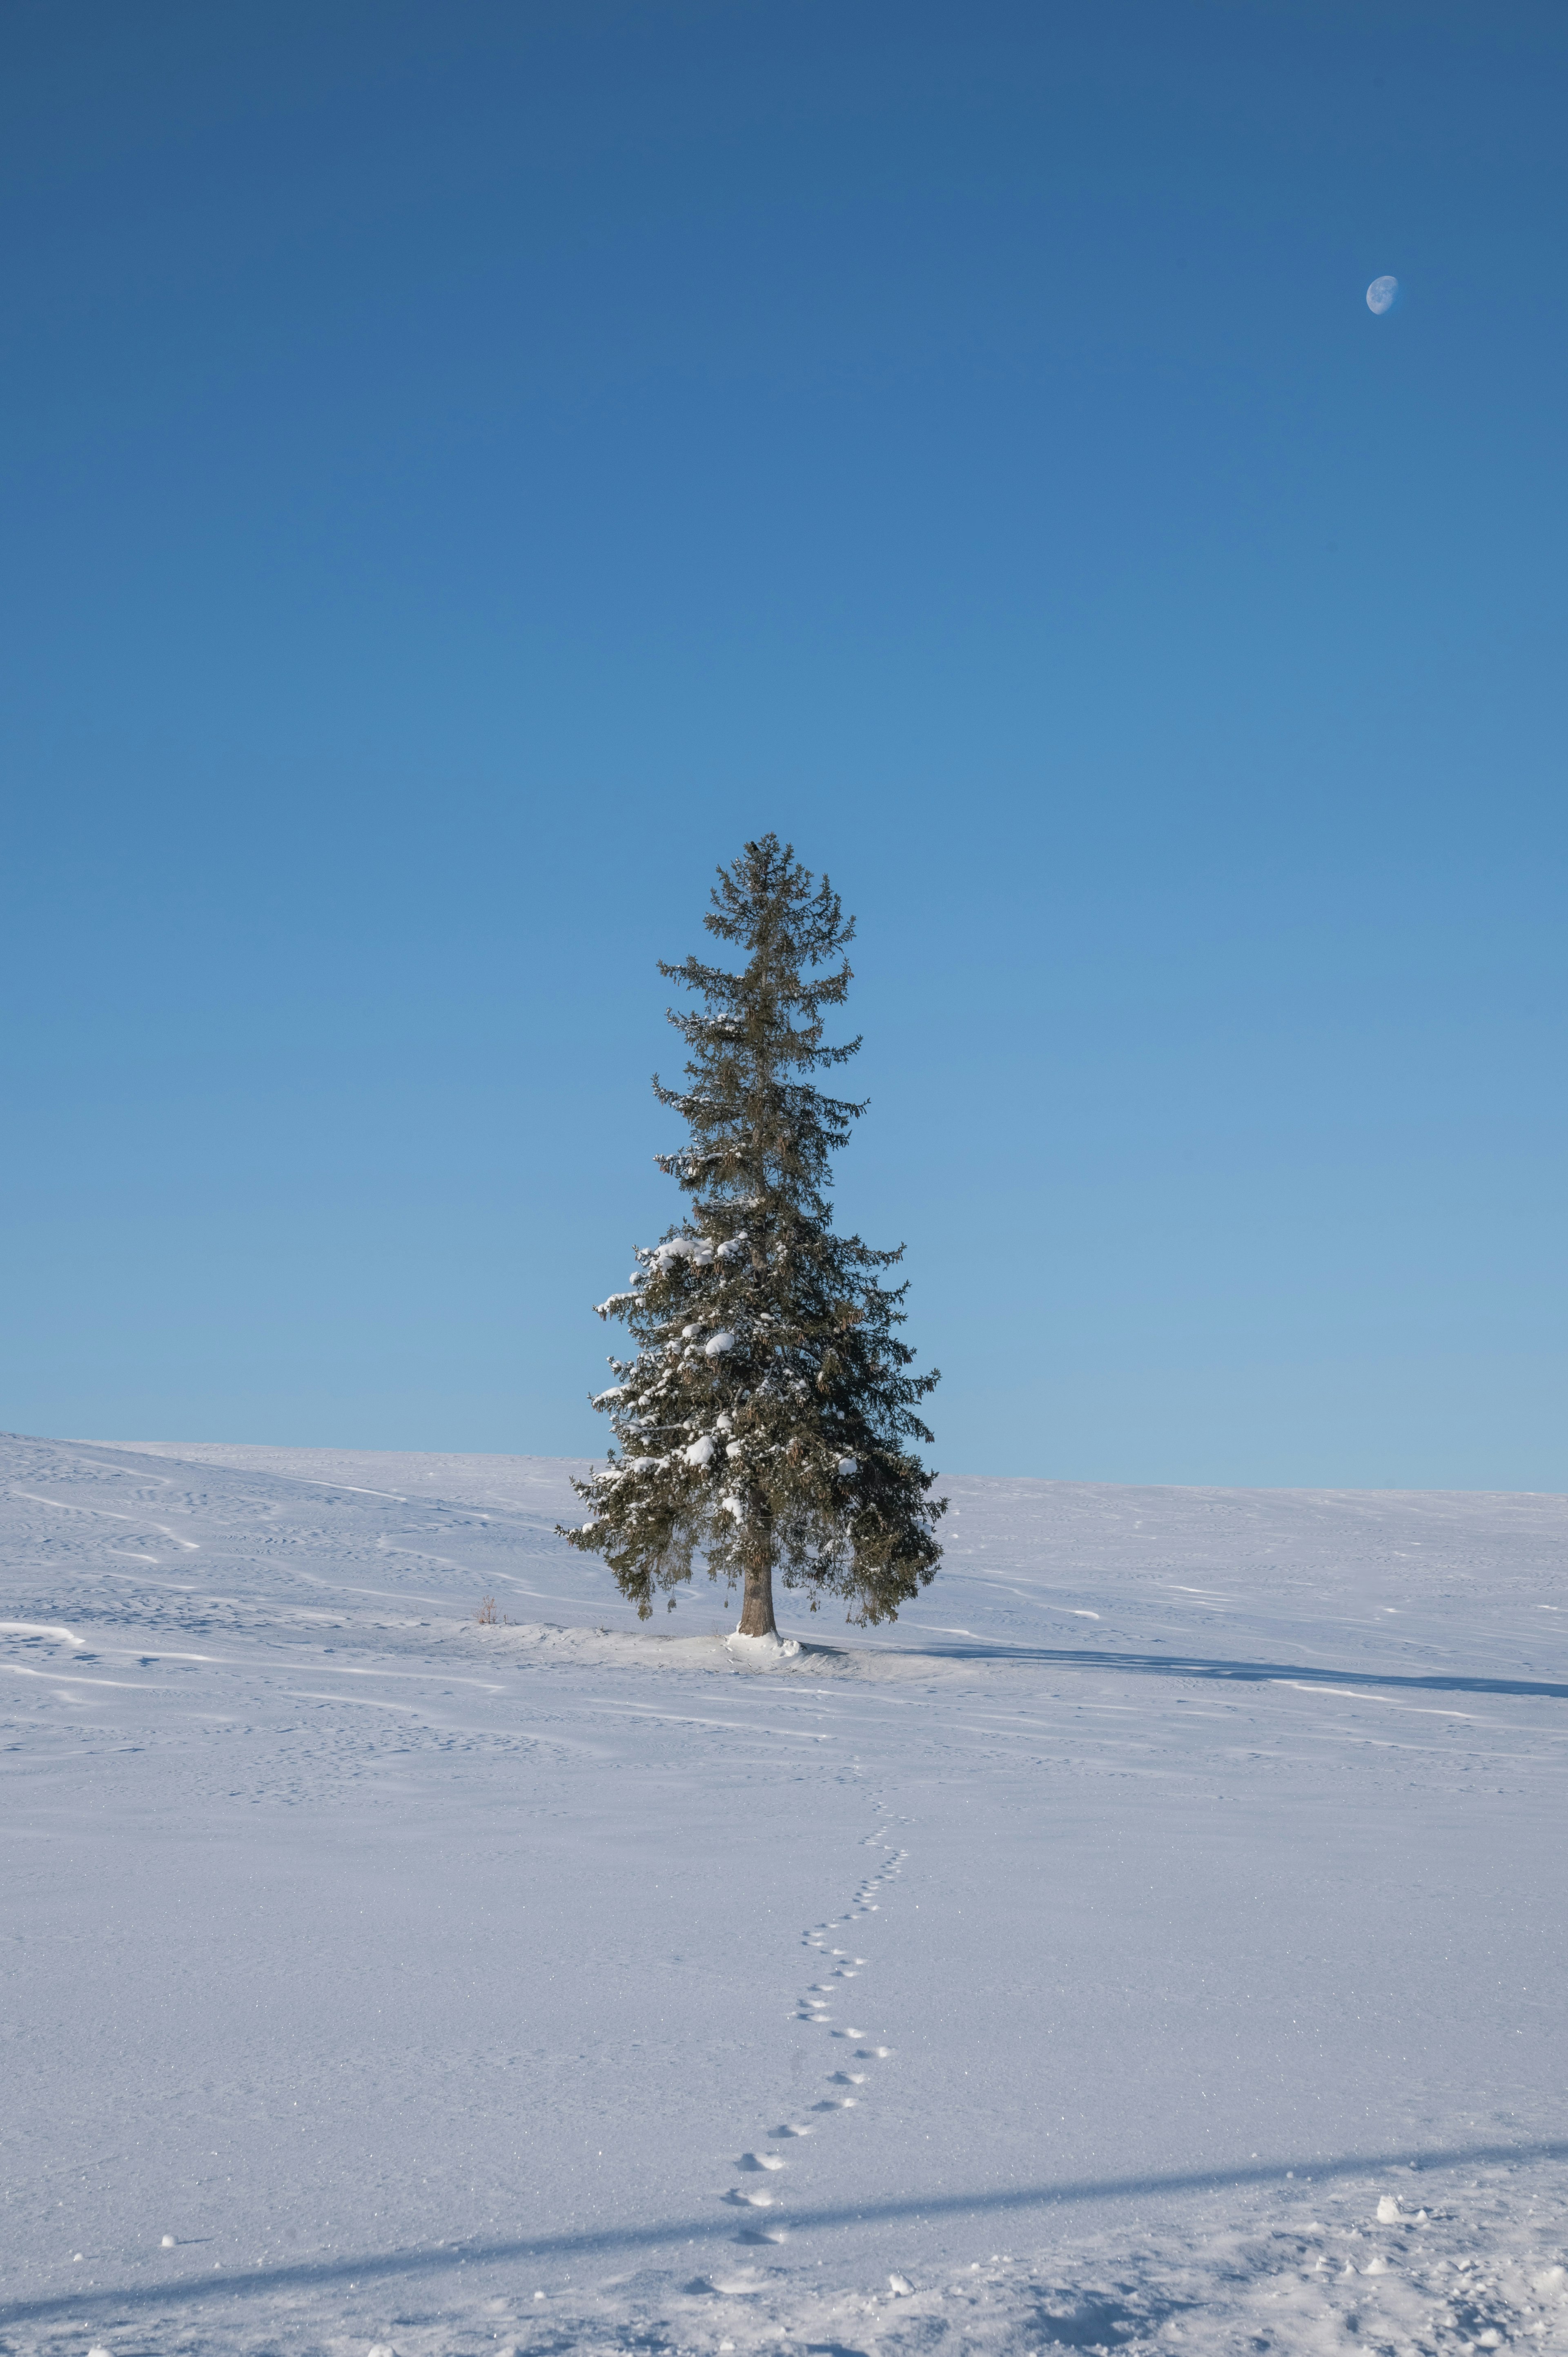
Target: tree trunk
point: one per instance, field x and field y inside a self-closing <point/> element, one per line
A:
<point x="757" y="1605"/>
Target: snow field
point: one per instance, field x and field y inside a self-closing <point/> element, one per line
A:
<point x="1154" y="1940"/>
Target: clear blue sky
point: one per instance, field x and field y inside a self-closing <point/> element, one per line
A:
<point x="467" y="468"/>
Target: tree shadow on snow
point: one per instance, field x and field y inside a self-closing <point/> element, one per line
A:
<point x="674" y="2232"/>
<point x="1193" y="1665"/>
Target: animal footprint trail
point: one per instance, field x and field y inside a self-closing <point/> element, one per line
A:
<point x="815" y="2006"/>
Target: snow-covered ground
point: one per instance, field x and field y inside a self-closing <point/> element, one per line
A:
<point x="1158" y="1940"/>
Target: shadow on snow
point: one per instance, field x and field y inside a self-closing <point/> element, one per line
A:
<point x="380" y="2267"/>
<point x="1192" y="1665"/>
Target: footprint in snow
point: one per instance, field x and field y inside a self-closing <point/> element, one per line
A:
<point x="813" y="2006"/>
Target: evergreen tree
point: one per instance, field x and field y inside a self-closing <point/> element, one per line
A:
<point x="766" y="1418"/>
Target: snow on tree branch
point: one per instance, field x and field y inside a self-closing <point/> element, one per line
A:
<point x="769" y="1420"/>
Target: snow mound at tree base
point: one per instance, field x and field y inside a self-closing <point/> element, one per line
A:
<point x="761" y="1653"/>
<point x="555" y="1643"/>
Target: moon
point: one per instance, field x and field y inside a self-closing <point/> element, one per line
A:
<point x="1382" y="294"/>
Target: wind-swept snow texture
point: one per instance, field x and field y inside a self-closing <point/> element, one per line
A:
<point x="1156" y="1941"/>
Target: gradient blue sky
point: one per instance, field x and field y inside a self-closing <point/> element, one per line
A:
<point x="468" y="467"/>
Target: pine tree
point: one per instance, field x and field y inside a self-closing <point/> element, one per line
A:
<point x="766" y="1421"/>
